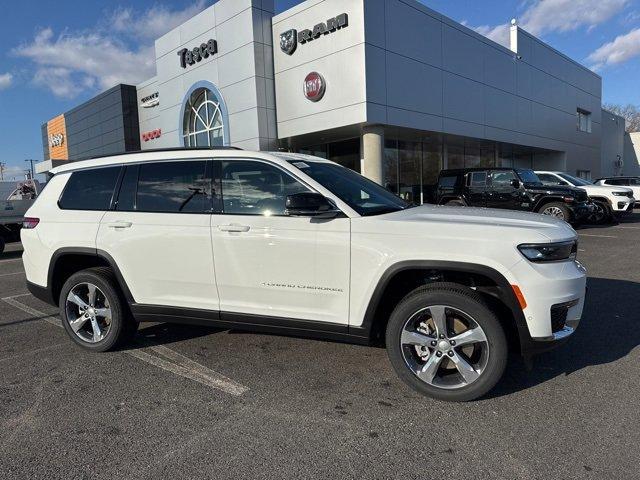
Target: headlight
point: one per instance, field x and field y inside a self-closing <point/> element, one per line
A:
<point x="620" y="194"/>
<point x="550" y="252"/>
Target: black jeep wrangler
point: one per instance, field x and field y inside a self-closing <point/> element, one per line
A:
<point x="514" y="189"/>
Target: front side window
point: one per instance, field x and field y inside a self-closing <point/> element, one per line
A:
<point x="528" y="176"/>
<point x="173" y="187"/>
<point x="256" y="188"/>
<point x="90" y="189"/>
<point x="548" y="179"/>
<point x="502" y="179"/>
<point x="575" y="181"/>
<point x="203" y="122"/>
<point x="361" y="194"/>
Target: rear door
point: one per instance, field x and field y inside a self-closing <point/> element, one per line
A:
<point x="477" y="187"/>
<point x="159" y="234"/>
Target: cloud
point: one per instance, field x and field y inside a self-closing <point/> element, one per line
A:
<point x="622" y="49"/>
<point x="548" y="16"/>
<point x="120" y="50"/>
<point x="6" y="79"/>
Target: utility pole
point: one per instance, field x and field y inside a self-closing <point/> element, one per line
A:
<point x="2" y="165"/>
<point x="31" y="169"/>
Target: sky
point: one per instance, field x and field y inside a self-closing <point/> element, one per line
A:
<point x="54" y="56"/>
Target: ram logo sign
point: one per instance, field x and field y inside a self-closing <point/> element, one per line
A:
<point x="290" y="39"/>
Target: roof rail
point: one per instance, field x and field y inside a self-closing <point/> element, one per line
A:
<point x="158" y="150"/>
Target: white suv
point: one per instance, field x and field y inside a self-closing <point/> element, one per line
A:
<point x="610" y="201"/>
<point x="296" y="244"/>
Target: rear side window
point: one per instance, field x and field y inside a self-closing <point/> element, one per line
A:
<point x="173" y="187"/>
<point x="478" y="179"/>
<point x="449" y="181"/>
<point x="90" y="189"/>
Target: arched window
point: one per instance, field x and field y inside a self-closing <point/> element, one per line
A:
<point x="203" y="122"/>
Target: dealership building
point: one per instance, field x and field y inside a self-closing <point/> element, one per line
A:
<point x="389" y="88"/>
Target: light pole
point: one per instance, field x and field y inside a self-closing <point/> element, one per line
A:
<point x="2" y="165"/>
<point x="31" y="167"/>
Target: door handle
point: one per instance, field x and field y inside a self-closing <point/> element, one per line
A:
<point x="119" y="225"/>
<point x="234" y="228"/>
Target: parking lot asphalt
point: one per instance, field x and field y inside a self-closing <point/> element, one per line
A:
<point x="192" y="402"/>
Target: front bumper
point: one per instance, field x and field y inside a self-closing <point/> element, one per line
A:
<point x="623" y="206"/>
<point x="555" y="295"/>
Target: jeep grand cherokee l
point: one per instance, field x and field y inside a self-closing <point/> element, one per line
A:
<point x="513" y="189"/>
<point x="294" y="244"/>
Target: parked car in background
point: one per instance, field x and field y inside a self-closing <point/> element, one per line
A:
<point x="294" y="244"/>
<point x="610" y="202"/>
<point x="15" y="200"/>
<point x="630" y="182"/>
<point x="513" y="189"/>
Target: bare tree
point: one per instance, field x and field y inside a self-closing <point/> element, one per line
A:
<point x="631" y="113"/>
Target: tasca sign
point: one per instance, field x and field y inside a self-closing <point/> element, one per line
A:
<point x="197" y="54"/>
<point x="290" y="39"/>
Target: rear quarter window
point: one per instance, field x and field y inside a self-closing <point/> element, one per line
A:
<point x="448" y="181"/>
<point x="90" y="189"/>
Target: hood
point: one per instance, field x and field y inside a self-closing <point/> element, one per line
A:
<point x="552" y="189"/>
<point x="594" y="189"/>
<point x="487" y="219"/>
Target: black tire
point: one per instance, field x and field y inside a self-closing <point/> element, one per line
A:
<point x="122" y="327"/>
<point x="603" y="216"/>
<point x="547" y="208"/>
<point x="2" y="244"/>
<point x="455" y="203"/>
<point x="466" y="300"/>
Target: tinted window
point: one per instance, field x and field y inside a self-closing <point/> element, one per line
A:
<point x="548" y="179"/>
<point x="478" y="179"/>
<point x="502" y="178"/>
<point x="528" y="176"/>
<point x="447" y="181"/>
<point x="256" y="188"/>
<point x="127" y="195"/>
<point x="90" y="189"/>
<point x="173" y="187"/>
<point x="617" y="181"/>
<point x="634" y="181"/>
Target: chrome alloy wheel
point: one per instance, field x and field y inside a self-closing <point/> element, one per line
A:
<point x="554" y="212"/>
<point x="444" y="347"/>
<point x="88" y="312"/>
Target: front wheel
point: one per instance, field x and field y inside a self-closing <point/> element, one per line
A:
<point x="602" y="214"/>
<point x="557" y="210"/>
<point x="444" y="342"/>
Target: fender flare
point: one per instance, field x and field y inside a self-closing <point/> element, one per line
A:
<point x="505" y="292"/>
<point x="89" y="252"/>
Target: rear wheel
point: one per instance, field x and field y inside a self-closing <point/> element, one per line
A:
<point x="444" y="342"/>
<point x="557" y="210"/>
<point x="94" y="312"/>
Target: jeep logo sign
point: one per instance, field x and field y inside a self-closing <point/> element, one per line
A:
<point x="290" y="39"/>
<point x="56" y="140"/>
<point x="314" y="87"/>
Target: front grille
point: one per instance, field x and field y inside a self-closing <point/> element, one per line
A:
<point x="558" y="317"/>
<point x="581" y="196"/>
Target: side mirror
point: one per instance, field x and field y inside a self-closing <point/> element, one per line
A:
<point x="310" y="204"/>
<point x="515" y="183"/>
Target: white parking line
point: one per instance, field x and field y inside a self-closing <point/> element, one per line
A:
<point x="173" y="362"/>
<point x="597" y="236"/>
<point x="9" y="274"/>
<point x="12" y="260"/>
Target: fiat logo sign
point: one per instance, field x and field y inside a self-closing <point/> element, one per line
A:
<point x="314" y="87"/>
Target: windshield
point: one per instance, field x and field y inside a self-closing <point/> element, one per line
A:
<point x="364" y="196"/>
<point x="528" y="176"/>
<point x="579" y="182"/>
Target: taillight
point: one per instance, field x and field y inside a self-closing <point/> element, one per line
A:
<point x="29" y="223"/>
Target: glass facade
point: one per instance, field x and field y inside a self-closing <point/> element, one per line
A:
<point x="411" y="165"/>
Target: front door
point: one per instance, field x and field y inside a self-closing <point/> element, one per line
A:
<point x="502" y="193"/>
<point x="477" y="185"/>
<point x="159" y="234"/>
<point x="272" y="265"/>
